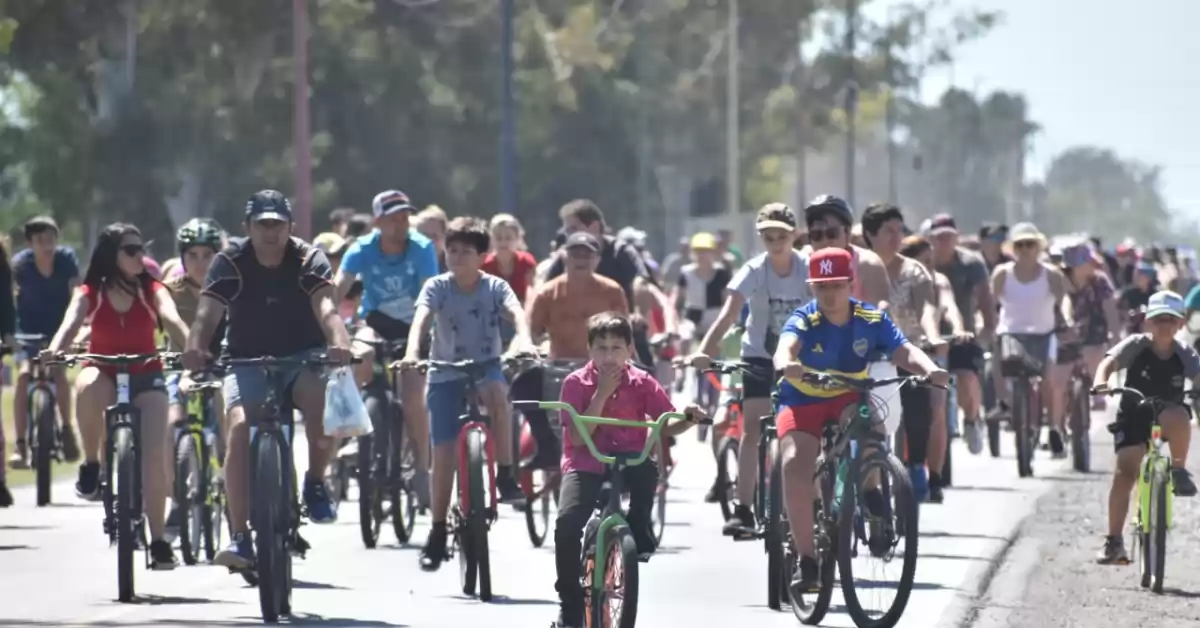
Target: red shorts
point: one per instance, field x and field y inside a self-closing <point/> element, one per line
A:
<point x="811" y="418"/>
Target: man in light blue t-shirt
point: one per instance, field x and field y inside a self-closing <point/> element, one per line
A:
<point x="393" y="262"/>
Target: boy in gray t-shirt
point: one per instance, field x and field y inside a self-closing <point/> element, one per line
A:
<point x="467" y="305"/>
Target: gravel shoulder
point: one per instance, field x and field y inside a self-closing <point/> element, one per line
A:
<point x="1049" y="576"/>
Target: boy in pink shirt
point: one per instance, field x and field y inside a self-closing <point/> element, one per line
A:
<point x="608" y="386"/>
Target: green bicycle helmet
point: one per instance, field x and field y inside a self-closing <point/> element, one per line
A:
<point x="199" y="232"/>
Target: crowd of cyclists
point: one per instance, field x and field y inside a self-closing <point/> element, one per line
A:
<point x="831" y="292"/>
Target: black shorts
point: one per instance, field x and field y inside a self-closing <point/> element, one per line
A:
<point x="391" y="329"/>
<point x="1132" y="429"/>
<point x="754" y="387"/>
<point x="966" y="357"/>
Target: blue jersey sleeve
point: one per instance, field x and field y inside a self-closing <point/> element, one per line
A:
<point x="796" y="325"/>
<point x="887" y="336"/>
<point x="426" y="265"/>
<point x="354" y="260"/>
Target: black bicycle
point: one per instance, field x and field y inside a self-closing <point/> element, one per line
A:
<point x="275" y="515"/>
<point x="124" y="520"/>
<point x="852" y="457"/>
<point x="42" y="431"/>
<point x="385" y="462"/>
<point x="1024" y="371"/>
<point x="199" y="483"/>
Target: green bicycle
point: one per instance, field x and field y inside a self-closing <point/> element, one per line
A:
<point x="607" y="538"/>
<point x="199" y="483"/>
<point x="1155" y="493"/>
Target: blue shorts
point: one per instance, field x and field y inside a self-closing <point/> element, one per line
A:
<point x="447" y="402"/>
<point x="248" y="384"/>
<point x="173" y="387"/>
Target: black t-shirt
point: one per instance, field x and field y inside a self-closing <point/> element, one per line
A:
<point x="618" y="261"/>
<point x="269" y="309"/>
<point x="1150" y="374"/>
<point x="1134" y="298"/>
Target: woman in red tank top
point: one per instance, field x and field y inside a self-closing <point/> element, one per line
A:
<point x="123" y="305"/>
<point x="508" y="259"/>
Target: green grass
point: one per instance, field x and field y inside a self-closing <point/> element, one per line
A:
<point x="23" y="477"/>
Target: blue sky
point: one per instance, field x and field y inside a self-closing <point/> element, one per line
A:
<point x="1122" y="75"/>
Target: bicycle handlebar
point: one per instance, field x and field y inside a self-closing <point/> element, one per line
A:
<point x="121" y="359"/>
<point x="867" y="384"/>
<point x="1111" y="391"/>
<point x="268" y="361"/>
<point x="655" y="427"/>
<point x="728" y="367"/>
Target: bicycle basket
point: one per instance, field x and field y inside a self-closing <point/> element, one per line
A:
<point x="1023" y="355"/>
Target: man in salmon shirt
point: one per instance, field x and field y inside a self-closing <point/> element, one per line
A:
<point x="560" y="309"/>
<point x="608" y="386"/>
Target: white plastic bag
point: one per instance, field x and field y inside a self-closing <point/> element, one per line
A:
<point x="889" y="396"/>
<point x="345" y="414"/>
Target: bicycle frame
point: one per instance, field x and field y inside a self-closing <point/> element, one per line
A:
<point x="276" y="423"/>
<point x="122" y="415"/>
<point x="1153" y="459"/>
<point x="195" y="424"/>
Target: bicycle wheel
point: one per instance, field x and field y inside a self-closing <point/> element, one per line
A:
<point x="1081" y="414"/>
<point x="400" y="472"/>
<point x="880" y="535"/>
<point x="270" y="522"/>
<point x="993" y="436"/>
<point x="811" y="608"/>
<point x="1023" y="434"/>
<point x="477" y="525"/>
<point x="41" y="407"/>
<point x="1160" y="488"/>
<point x="658" y="514"/>
<point x="773" y="535"/>
<point x="189" y="496"/>
<point x="214" y="505"/>
<point x="617" y="604"/>
<point x="948" y="465"/>
<point x="125" y="506"/>
<point x="537" y="511"/>
<point x="727" y="476"/>
<point x="371" y="483"/>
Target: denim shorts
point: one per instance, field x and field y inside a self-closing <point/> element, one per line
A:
<point x="173" y="379"/>
<point x="447" y="402"/>
<point x="248" y="384"/>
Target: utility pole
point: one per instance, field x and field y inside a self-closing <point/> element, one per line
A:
<point x="890" y="111"/>
<point x="801" y="85"/>
<point x="301" y="134"/>
<point x="733" y="187"/>
<point x="851" y="105"/>
<point x="508" y="114"/>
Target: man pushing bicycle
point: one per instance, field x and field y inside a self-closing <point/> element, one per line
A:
<point x="835" y="334"/>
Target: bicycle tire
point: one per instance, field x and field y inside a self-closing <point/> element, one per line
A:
<point x="214" y="492"/>
<point x="370" y="488"/>
<point x="658" y="515"/>
<point x="993" y="436"/>
<point x="126" y="465"/>
<point x="826" y="545"/>
<point x="1021" y="428"/>
<point x="1081" y="444"/>
<point x="948" y="464"/>
<point x="187" y="468"/>
<point x="727" y="454"/>
<point x="620" y="544"/>
<point x="773" y="534"/>
<point x="477" y="525"/>
<point x="41" y="406"/>
<point x="906" y="525"/>
<point x="403" y="465"/>
<point x="1159" y="523"/>
<point x="269" y="521"/>
<point x="539" y="510"/>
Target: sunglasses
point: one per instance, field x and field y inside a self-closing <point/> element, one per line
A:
<point x="1025" y="244"/>
<point x="771" y="238"/>
<point x="821" y="235"/>
<point x="133" y="250"/>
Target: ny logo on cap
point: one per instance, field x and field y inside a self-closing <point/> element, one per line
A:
<point x="826" y="267"/>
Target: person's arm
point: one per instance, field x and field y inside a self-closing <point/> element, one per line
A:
<point x="537" y="313"/>
<point x="521" y="340"/>
<point x="985" y="296"/>
<point x="348" y="271"/>
<point x="1119" y="358"/>
<point x="924" y="301"/>
<point x="1108" y="302"/>
<point x="77" y="313"/>
<point x="1191" y="362"/>
<point x="169" y="316"/>
<point x="876" y="286"/>
<point x="1064" y="314"/>
<point x="428" y="302"/>
<point x="791" y="341"/>
<point x="904" y="354"/>
<point x="629" y="269"/>
<point x="618" y="303"/>
<point x="670" y="315"/>
<point x="677" y="292"/>
<point x="948" y="306"/>
<point x="316" y="279"/>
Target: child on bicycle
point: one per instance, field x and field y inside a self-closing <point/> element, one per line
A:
<point x="834" y="334"/>
<point x="607" y="386"/>
<point x="467" y="305"/>
<point x="1155" y="364"/>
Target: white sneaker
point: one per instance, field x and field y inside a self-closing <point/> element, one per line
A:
<point x="973" y="434"/>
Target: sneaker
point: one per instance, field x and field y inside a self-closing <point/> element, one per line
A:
<point x="741" y="522"/>
<point x="1058" y="449"/>
<point x="6" y="499"/>
<point x="936" y="496"/>
<point x="320" y="506"/>
<point x="568" y="619"/>
<point x="715" y="493"/>
<point x="88" y="485"/>
<point x="920" y="481"/>
<point x="174" y="522"/>
<point x="434" y="552"/>
<point x="1113" y="552"/>
<point x="973" y="434"/>
<point x="1184" y="486"/>
<point x="420" y="485"/>
<point x="508" y="490"/>
<point x="238" y="555"/>
<point x="70" y="446"/>
<point x="162" y="557"/>
<point x="806" y="578"/>
<point x="20" y="457"/>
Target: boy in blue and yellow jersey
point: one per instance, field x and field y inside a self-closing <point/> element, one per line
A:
<point x="833" y="334"/>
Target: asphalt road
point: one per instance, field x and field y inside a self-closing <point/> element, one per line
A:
<point x="56" y="568"/>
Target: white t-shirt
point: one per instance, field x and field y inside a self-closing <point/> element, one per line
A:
<point x="771" y="298"/>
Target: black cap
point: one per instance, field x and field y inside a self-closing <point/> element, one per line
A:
<point x="268" y="205"/>
<point x="991" y="230"/>
<point x="828" y="203"/>
<point x="942" y="223"/>
<point x="583" y="238"/>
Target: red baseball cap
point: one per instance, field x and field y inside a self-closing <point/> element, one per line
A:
<point x="830" y="264"/>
